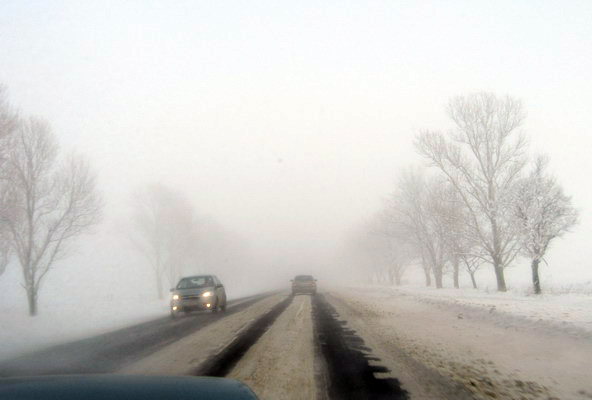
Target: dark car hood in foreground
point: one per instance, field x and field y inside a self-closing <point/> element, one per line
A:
<point x="129" y="387"/>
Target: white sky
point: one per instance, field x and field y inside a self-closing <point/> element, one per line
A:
<point x="287" y="122"/>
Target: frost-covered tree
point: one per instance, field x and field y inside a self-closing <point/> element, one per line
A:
<point x="398" y="255"/>
<point x="379" y="252"/>
<point x="463" y="249"/>
<point x="415" y="206"/>
<point x="50" y="202"/>
<point x="396" y="251"/>
<point x="362" y="253"/>
<point x="8" y="123"/>
<point x="164" y="232"/>
<point x="439" y="210"/>
<point x="482" y="158"/>
<point x="543" y="213"/>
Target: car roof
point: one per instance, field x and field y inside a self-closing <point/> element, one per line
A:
<point x="129" y="387"/>
<point x="196" y="276"/>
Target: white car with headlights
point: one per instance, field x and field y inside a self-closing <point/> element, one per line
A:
<point x="200" y="292"/>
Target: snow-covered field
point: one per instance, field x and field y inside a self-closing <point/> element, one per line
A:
<point x="20" y="333"/>
<point x="560" y="306"/>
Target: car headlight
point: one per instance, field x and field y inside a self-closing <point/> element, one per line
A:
<point x="207" y="294"/>
<point x="175" y="297"/>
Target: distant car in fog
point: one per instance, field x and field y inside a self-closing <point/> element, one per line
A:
<point x="304" y="284"/>
<point x="199" y="292"/>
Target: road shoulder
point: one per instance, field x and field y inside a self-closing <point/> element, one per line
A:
<point x="490" y="360"/>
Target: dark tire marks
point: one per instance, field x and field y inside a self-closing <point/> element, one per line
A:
<point x="349" y="373"/>
<point x="221" y="364"/>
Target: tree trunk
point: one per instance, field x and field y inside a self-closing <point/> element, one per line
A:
<point x="497" y="265"/>
<point x="426" y="271"/>
<point x="473" y="279"/>
<point x="536" y="283"/>
<point x="438" y="277"/>
<point x="455" y="273"/>
<point x="438" y="281"/>
<point x="32" y="300"/>
<point x="499" y="276"/>
<point x="391" y="277"/>
<point x="428" y="278"/>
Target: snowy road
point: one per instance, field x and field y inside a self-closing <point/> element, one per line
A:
<point x="110" y="351"/>
<point x="281" y="363"/>
<point x="345" y="344"/>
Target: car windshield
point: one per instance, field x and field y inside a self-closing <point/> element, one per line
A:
<point x="303" y="278"/>
<point x="194" y="282"/>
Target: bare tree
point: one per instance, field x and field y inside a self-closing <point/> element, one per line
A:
<point x="543" y="212"/>
<point x="5" y="247"/>
<point x="461" y="244"/>
<point x="8" y="119"/>
<point x="472" y="264"/>
<point x="414" y="207"/>
<point x="363" y="253"/>
<point x="445" y="213"/>
<point x="482" y="158"/>
<point x="395" y="252"/>
<point x="399" y="255"/>
<point x="441" y="211"/>
<point x="164" y="231"/>
<point x="427" y="270"/>
<point x="51" y="203"/>
<point x="463" y="249"/>
<point x="8" y="123"/>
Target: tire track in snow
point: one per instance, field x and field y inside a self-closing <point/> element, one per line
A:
<point x="281" y="365"/>
<point x="347" y="359"/>
<point x="221" y="364"/>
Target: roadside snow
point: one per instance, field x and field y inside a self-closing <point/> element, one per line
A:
<point x="570" y="310"/>
<point x="496" y="345"/>
<point x="20" y="333"/>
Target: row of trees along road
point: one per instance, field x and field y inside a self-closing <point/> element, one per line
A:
<point x="174" y="241"/>
<point x="164" y="230"/>
<point x="46" y="199"/>
<point x="477" y="203"/>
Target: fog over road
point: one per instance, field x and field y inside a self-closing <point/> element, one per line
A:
<point x="341" y="344"/>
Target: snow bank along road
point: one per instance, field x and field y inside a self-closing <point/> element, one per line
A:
<point x="341" y="345"/>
